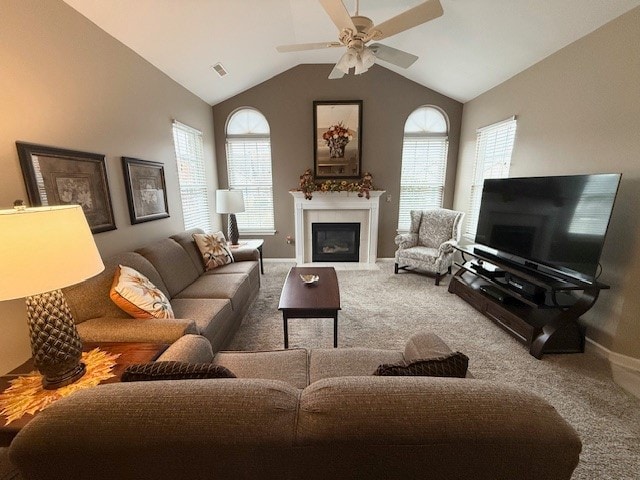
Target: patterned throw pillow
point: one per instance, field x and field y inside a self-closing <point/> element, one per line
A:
<point x="135" y="294"/>
<point x="452" y="365"/>
<point x="174" y="371"/>
<point x="214" y="249"/>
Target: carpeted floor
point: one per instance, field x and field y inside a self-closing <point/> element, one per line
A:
<point x="381" y="310"/>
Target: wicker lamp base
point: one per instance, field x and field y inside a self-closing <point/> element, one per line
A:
<point x="55" y="344"/>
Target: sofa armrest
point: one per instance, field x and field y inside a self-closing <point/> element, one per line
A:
<point x="406" y="240"/>
<point x="425" y="345"/>
<point x="154" y="330"/>
<point x="190" y="349"/>
<point x="447" y="247"/>
<point x="242" y="254"/>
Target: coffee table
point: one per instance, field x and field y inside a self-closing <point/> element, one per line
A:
<point x="319" y="300"/>
<point x="130" y="353"/>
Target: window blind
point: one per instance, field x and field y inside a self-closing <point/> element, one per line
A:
<point x="249" y="170"/>
<point x="424" y="160"/>
<point x="494" y="145"/>
<point x="191" y="176"/>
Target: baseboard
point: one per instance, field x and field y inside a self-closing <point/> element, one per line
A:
<point x="625" y="369"/>
<point x="280" y="260"/>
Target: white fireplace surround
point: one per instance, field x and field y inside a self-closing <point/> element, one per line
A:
<point x="337" y="207"/>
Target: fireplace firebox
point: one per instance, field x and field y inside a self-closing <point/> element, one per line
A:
<point x="335" y="242"/>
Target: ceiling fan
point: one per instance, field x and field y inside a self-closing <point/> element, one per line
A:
<point x="354" y="32"/>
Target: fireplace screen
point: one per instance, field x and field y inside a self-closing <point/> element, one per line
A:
<point x="335" y="242"/>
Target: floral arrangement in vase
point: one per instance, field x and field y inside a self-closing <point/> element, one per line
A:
<point x="308" y="185"/>
<point x="337" y="138"/>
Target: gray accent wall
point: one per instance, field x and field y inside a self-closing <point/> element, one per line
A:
<point x="66" y="83"/>
<point x="286" y="100"/>
<point x="579" y="112"/>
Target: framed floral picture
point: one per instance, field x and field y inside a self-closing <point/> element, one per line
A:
<point x="337" y="135"/>
<point x="146" y="190"/>
<point x="56" y="176"/>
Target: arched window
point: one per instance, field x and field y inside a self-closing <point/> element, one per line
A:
<point x="424" y="162"/>
<point x="249" y="169"/>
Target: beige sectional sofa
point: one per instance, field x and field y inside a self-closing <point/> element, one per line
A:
<point x="298" y="414"/>
<point x="209" y="303"/>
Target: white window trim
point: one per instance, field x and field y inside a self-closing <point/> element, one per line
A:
<point x="428" y="136"/>
<point x="202" y="218"/>
<point x="230" y="139"/>
<point x="477" y="180"/>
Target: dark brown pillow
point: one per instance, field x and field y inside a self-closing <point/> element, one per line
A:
<point x="452" y="365"/>
<point x="174" y="371"/>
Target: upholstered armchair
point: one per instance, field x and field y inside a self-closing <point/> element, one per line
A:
<point x="429" y="244"/>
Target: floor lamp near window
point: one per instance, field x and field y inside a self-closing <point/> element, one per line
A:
<point x="231" y="202"/>
<point x="42" y="250"/>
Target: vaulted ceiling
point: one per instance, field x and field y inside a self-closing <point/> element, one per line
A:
<point x="474" y="46"/>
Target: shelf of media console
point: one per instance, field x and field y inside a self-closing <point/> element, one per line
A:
<point x="556" y="291"/>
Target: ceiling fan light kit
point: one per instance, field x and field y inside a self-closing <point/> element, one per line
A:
<point x="354" y="32"/>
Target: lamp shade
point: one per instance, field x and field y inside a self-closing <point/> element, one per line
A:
<point x="229" y="201"/>
<point x="44" y="249"/>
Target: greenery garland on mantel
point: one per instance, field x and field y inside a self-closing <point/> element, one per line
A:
<point x="308" y="185"/>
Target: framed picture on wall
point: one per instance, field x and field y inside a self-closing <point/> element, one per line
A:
<point x="146" y="190"/>
<point x="337" y="138"/>
<point x="55" y="176"/>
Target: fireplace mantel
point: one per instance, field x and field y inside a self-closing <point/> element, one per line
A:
<point x="339" y="206"/>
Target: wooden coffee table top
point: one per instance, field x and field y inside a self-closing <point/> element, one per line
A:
<point x="323" y="295"/>
<point x="130" y="353"/>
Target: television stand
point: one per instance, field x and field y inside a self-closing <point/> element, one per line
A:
<point x="546" y="320"/>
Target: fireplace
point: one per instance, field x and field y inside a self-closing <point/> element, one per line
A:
<point x="335" y="242"/>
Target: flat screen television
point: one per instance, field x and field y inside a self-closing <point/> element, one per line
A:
<point x="556" y="225"/>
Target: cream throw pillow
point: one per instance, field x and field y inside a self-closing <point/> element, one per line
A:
<point x="135" y="294"/>
<point x="214" y="249"/>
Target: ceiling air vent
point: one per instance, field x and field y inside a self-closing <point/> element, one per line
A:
<point x="219" y="69"/>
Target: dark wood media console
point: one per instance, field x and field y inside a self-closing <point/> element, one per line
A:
<point x="545" y="320"/>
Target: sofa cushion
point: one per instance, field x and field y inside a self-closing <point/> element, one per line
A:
<point x="153" y="330"/>
<point x="186" y="241"/>
<point x="135" y="294"/>
<point x="251" y="268"/>
<point x="213" y="317"/>
<point x="214" y="250"/>
<point x="286" y="365"/>
<point x="452" y="365"/>
<point x="234" y="286"/>
<point x="143" y="372"/>
<point x="346" y="362"/>
<point x="172" y="262"/>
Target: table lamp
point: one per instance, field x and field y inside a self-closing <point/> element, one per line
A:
<point x="42" y="250"/>
<point x="231" y="202"/>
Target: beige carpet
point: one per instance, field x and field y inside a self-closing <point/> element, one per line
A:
<point x="381" y="310"/>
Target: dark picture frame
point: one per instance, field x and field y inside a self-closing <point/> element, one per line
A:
<point x="337" y="138"/>
<point x="57" y="176"/>
<point x="146" y="190"/>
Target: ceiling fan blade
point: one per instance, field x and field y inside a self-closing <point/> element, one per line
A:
<point x="393" y="55"/>
<point x="338" y="13"/>
<point x="336" y="73"/>
<point x="411" y="18"/>
<point x="306" y="46"/>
